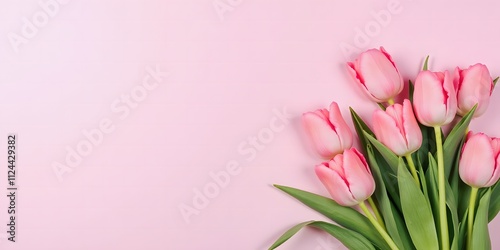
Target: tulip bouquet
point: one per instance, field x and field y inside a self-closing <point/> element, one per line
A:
<point x="410" y="187"/>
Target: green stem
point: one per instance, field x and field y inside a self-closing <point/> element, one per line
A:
<point x="470" y="218"/>
<point x="377" y="213"/>
<point x="379" y="228"/>
<point x="390" y="101"/>
<point x="413" y="170"/>
<point x="445" y="240"/>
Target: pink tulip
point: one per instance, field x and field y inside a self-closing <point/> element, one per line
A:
<point x="328" y="131"/>
<point x="398" y="129"/>
<point x="474" y="86"/>
<point x="434" y="98"/>
<point x="347" y="178"/>
<point x="480" y="160"/>
<point x="376" y="73"/>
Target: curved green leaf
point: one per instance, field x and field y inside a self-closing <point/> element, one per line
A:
<point x="344" y="216"/>
<point x="495" y="202"/>
<point x="452" y="142"/>
<point x="289" y="233"/>
<point x="391" y="158"/>
<point x="360" y="127"/>
<point x="416" y="211"/>
<point x="349" y="238"/>
<point x="389" y="213"/>
<point x="425" y="67"/>
<point x="480" y="234"/>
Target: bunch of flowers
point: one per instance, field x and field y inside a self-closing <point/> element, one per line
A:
<point x="415" y="187"/>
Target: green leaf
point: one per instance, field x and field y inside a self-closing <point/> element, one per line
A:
<point x="417" y="212"/>
<point x="462" y="231"/>
<point x="495" y="202"/>
<point x="391" y="158"/>
<point x="480" y="234"/>
<point x="426" y="63"/>
<point x="428" y="145"/>
<point x="288" y="234"/>
<point x="423" y="181"/>
<point x="451" y="203"/>
<point x="411" y="89"/>
<point x="381" y="106"/>
<point x="361" y="128"/>
<point x="398" y="234"/>
<point x="344" y="216"/>
<point x="349" y="238"/>
<point x="495" y="81"/>
<point x="454" y="139"/>
<point x="432" y="183"/>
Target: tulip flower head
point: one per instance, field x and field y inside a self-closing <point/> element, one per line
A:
<point x="434" y="98"/>
<point x="397" y="128"/>
<point x="479" y="164"/>
<point x="377" y="74"/>
<point x="328" y="131"/>
<point x="347" y="177"/>
<point x="474" y="85"/>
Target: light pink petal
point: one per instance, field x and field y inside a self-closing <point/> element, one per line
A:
<point x="343" y="131"/>
<point x="396" y="113"/>
<point x="428" y="99"/>
<point x="324" y="138"/>
<point x="336" y="186"/>
<point x="475" y="88"/>
<point x="477" y="162"/>
<point x="451" y="104"/>
<point x="413" y="133"/>
<point x="389" y="57"/>
<point x="381" y="79"/>
<point x="360" y="181"/>
<point x="495" y="144"/>
<point x="387" y="132"/>
<point x="322" y="113"/>
<point x="456" y="79"/>
<point x="356" y="76"/>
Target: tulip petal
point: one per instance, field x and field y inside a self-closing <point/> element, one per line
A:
<point x="356" y="76"/>
<point x="451" y="98"/>
<point x="380" y="76"/>
<point x="475" y="87"/>
<point x="413" y="134"/>
<point x="387" y="132"/>
<point x="361" y="182"/>
<point x="495" y="144"/>
<point x="428" y="99"/>
<point x="389" y="57"/>
<point x="335" y="185"/>
<point x="477" y="161"/>
<point x="343" y="131"/>
<point x="325" y="139"/>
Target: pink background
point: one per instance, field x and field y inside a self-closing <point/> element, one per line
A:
<point x="228" y="71"/>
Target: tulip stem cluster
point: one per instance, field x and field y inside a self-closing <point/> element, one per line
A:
<point x="413" y="170"/>
<point x="470" y="218"/>
<point x="378" y="226"/>
<point x="445" y="241"/>
<point x="376" y="212"/>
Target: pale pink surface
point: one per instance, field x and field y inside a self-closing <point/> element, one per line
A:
<point x="226" y="79"/>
